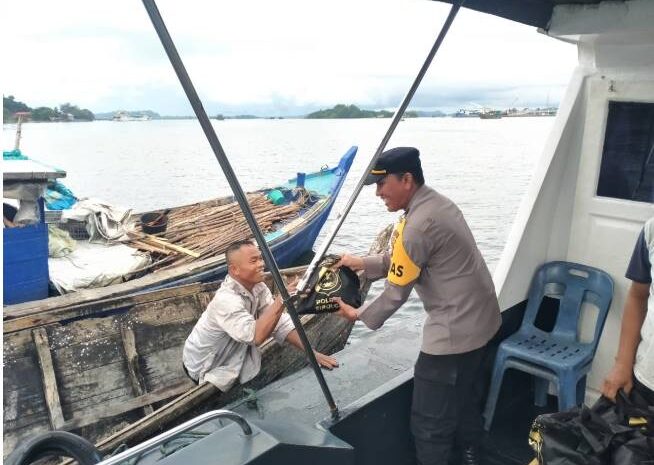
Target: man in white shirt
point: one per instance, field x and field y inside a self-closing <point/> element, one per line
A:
<point x="224" y="345"/>
<point x="634" y="362"/>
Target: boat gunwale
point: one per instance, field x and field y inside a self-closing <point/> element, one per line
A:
<point x="112" y="304"/>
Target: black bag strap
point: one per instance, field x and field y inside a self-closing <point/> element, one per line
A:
<point x="634" y="405"/>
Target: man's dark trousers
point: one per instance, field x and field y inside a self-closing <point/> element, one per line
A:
<point x="446" y="408"/>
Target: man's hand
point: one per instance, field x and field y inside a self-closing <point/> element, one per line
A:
<point x="346" y="311"/>
<point x="620" y="377"/>
<point x="326" y="361"/>
<point x="323" y="360"/>
<point x="353" y="262"/>
<point x="291" y="286"/>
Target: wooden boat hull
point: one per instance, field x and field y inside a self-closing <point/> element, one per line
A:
<point x="109" y="369"/>
<point x="287" y="245"/>
<point x="93" y="374"/>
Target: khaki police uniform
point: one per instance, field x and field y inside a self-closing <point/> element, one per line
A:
<point x="433" y="251"/>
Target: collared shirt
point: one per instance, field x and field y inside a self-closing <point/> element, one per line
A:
<point x="435" y="252"/>
<point x="221" y="348"/>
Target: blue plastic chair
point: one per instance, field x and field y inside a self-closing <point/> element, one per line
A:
<point x="557" y="356"/>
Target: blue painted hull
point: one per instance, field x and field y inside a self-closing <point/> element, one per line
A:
<point x="286" y="250"/>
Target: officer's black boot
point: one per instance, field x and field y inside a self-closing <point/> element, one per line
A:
<point x="470" y="456"/>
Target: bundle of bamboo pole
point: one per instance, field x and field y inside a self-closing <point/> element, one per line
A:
<point x="206" y="229"/>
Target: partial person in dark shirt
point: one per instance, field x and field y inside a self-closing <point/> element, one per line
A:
<point x="433" y="251"/>
<point x="634" y="362"/>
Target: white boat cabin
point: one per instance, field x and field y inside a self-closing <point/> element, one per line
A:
<point x="594" y="185"/>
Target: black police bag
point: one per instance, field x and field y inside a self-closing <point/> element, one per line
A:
<point x="325" y="284"/>
<point x="604" y="434"/>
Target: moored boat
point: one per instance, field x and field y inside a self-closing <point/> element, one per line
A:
<point x="487" y="113"/>
<point x="112" y="372"/>
<point x="123" y="116"/>
<point x="288" y="239"/>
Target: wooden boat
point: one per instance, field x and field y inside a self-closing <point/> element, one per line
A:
<point x="288" y="240"/>
<point x="108" y="370"/>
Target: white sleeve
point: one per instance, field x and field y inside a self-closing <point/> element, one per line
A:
<point x="284" y="326"/>
<point x="232" y="316"/>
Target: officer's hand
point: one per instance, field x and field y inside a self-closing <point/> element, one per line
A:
<point x="346" y="311"/>
<point x="351" y="261"/>
<point x="326" y="361"/>
<point x="620" y="377"/>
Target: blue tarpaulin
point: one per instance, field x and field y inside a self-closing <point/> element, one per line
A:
<point x="59" y="197"/>
<point x="13" y="155"/>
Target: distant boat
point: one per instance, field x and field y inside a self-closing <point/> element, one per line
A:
<point x="515" y="113"/>
<point x="490" y="114"/>
<point x="549" y="111"/>
<point x="463" y="113"/>
<point x="125" y="116"/>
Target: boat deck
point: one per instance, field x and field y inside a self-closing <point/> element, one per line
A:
<point x="387" y="356"/>
<point x="374" y="359"/>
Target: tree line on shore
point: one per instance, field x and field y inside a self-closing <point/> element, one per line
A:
<point x="64" y="112"/>
<point x="352" y="111"/>
<point x="69" y="112"/>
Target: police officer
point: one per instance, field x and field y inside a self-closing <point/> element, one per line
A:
<point x="434" y="252"/>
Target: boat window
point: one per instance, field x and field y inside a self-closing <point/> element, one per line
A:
<point x="627" y="170"/>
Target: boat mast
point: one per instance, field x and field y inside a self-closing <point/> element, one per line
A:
<point x="456" y="5"/>
<point x="19" y="127"/>
<point x="191" y="94"/>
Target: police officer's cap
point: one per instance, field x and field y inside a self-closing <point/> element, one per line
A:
<point x="397" y="160"/>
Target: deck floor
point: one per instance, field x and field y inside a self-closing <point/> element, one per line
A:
<point x="378" y="357"/>
<point x="507" y="442"/>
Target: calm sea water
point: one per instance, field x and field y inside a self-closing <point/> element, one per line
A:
<point x="483" y="165"/>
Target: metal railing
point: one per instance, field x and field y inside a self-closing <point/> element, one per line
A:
<point x="170" y="434"/>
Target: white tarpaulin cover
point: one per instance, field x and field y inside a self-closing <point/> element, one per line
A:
<point x="104" y="222"/>
<point x="94" y="265"/>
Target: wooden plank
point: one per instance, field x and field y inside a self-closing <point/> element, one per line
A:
<point x="24" y="402"/>
<point x="145" y="427"/>
<point x="23" y="410"/>
<point x="84" y="297"/>
<point x="87" y="301"/>
<point x="95" y="386"/>
<point x="138" y="384"/>
<point x="100" y="412"/>
<point x="43" y="316"/>
<point x="18" y="345"/>
<point x="168" y="245"/>
<point x="77" y="358"/>
<point x="165" y="313"/>
<point x="48" y="378"/>
<point x="163" y="367"/>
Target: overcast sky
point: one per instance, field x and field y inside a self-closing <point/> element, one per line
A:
<point x="281" y="57"/>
